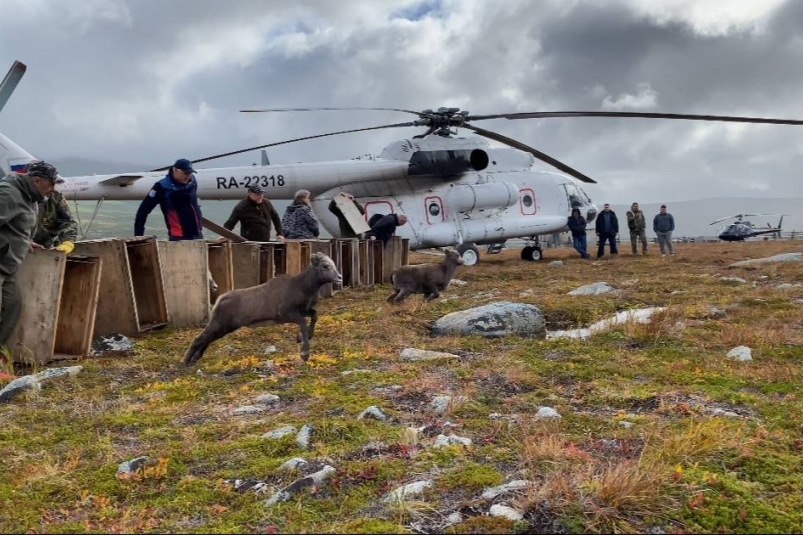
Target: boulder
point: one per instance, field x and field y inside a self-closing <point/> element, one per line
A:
<point x="494" y="320"/>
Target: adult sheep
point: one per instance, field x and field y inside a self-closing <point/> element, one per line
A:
<point x="427" y="279"/>
<point x="283" y="299"/>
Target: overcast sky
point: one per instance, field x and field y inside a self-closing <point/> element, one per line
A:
<point x="147" y="81"/>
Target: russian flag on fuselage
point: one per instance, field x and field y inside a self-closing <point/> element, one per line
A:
<point x="18" y="168"/>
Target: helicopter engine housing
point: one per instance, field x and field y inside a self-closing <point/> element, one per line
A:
<point x="469" y="197"/>
<point x="447" y="162"/>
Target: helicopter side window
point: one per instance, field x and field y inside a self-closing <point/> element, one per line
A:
<point x="434" y="209"/>
<point x="527" y="201"/>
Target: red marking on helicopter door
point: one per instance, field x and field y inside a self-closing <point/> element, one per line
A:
<point x="433" y="207"/>
<point x="527" y="204"/>
<point x="377" y="207"/>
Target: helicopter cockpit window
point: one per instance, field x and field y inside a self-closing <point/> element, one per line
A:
<point x="434" y="209"/>
<point x="527" y="201"/>
<point x="574" y="195"/>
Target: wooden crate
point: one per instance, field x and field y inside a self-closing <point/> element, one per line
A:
<point x="246" y="258"/>
<point x="219" y="260"/>
<point x="405" y="259"/>
<point x="294" y="257"/>
<point x="378" y="262"/>
<point x="350" y="262"/>
<point x="366" y="256"/>
<point x="186" y="287"/>
<point x="59" y="301"/>
<point x="267" y="263"/>
<point x="116" y="311"/>
<point x="392" y="254"/>
<point x="146" y="278"/>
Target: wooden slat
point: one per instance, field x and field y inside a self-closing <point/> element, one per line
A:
<point x="40" y="279"/>
<point x="267" y="262"/>
<point x="222" y="231"/>
<point x="378" y="262"/>
<point x="78" y="304"/>
<point x="405" y="259"/>
<point x="116" y="311"/>
<point x="365" y="253"/>
<point x="350" y="254"/>
<point x="293" y="257"/>
<point x="220" y="265"/>
<point x="245" y="264"/>
<point x="184" y="266"/>
<point x="146" y="276"/>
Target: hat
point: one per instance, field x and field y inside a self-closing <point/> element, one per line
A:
<point x="184" y="165"/>
<point x="575" y="210"/>
<point x="42" y="170"/>
<point x="255" y="189"/>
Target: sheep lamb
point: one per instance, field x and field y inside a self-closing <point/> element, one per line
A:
<point x="282" y="299"/>
<point x="427" y="279"/>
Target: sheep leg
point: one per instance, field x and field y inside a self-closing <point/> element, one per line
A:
<point x="402" y="295"/>
<point x="300" y="319"/>
<point x="392" y="296"/>
<point x="211" y="333"/>
<point x="313" y="314"/>
<point x="431" y="293"/>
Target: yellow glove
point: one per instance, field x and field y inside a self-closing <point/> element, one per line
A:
<point x="66" y="247"/>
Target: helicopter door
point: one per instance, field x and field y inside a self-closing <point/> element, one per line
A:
<point x="433" y="207"/>
<point x="377" y="207"/>
<point x="527" y="201"/>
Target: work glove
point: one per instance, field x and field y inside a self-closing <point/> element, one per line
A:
<point x="66" y="247"/>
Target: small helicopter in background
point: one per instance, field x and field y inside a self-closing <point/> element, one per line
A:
<point x="741" y="229"/>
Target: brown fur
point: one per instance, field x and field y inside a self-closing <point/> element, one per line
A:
<point x="283" y="299"/>
<point x="427" y="279"/>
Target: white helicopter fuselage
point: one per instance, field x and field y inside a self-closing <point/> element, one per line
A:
<point x="453" y="190"/>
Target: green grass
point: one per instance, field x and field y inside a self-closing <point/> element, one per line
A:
<point x="678" y="467"/>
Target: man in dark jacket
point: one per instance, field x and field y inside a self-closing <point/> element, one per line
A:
<point x="384" y="227"/>
<point x="607" y="229"/>
<point x="56" y="226"/>
<point x="577" y="224"/>
<point x="19" y="195"/>
<point x="176" y="194"/>
<point x="663" y="224"/>
<point x="255" y="213"/>
<point x="345" y="228"/>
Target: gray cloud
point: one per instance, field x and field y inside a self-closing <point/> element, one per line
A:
<point x="148" y="81"/>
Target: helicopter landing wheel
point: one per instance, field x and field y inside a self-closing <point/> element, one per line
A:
<point x="469" y="253"/>
<point x="531" y="254"/>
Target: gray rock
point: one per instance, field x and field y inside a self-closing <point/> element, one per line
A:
<point x="740" y="354"/>
<point x="493" y="320"/>
<point x="409" y="490"/>
<point x="356" y="370"/>
<point x="267" y="399"/>
<point x="723" y="412"/>
<point x="492" y="492"/>
<point x="441" y="404"/>
<point x="280" y="432"/>
<point x="130" y="467"/>
<point x="451" y="440"/>
<point x="110" y="342"/>
<point x="293" y="464"/>
<point x="593" y="289"/>
<point x="454" y="518"/>
<point x="34" y="382"/>
<point x="318" y="478"/>
<point x="547" y="412"/>
<point x="786" y="286"/>
<point x="505" y="512"/>
<point x="733" y="279"/>
<point x="458" y="282"/>
<point x="270" y="349"/>
<point x="411" y="355"/>
<point x="785" y="257"/>
<point x="626" y="424"/>
<point x="373" y="412"/>
<point x="304" y="436"/>
<point x="556" y="263"/>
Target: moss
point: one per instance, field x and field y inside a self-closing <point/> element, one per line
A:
<point x="470" y="476"/>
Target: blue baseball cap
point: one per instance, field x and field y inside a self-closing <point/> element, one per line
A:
<point x="184" y="165"/>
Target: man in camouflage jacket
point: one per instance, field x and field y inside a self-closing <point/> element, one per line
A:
<point x="56" y="225"/>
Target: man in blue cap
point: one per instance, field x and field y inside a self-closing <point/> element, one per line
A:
<point x="176" y="195"/>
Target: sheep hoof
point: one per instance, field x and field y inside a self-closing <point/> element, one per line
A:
<point x="305" y="356"/>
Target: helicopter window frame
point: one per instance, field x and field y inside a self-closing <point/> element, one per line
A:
<point x="433" y="218"/>
<point x="527" y="210"/>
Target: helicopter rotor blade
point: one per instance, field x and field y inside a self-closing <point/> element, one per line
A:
<point x="232" y="153"/>
<point x="9" y="83"/>
<point x="644" y="115"/>
<point x="352" y="108"/>
<point x="538" y="154"/>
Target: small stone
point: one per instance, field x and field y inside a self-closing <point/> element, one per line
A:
<point x="304" y="436"/>
<point x="413" y="355"/>
<point x="373" y="412"/>
<point x="556" y="263"/>
<point x="740" y="354"/>
<point x="280" y="432"/>
<point x="267" y="399"/>
<point x="451" y="440"/>
<point x="505" y="512"/>
<point x="547" y="412"/>
<point x="626" y="424"/>
<point x="130" y="467"/>
<point x="270" y="349"/>
<point x="293" y="464"/>
<point x="454" y="518"/>
<point x="408" y="491"/>
<point x="492" y="492"/>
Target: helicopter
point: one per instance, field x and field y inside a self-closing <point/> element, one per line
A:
<point x="741" y="228"/>
<point x="455" y="191"/>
